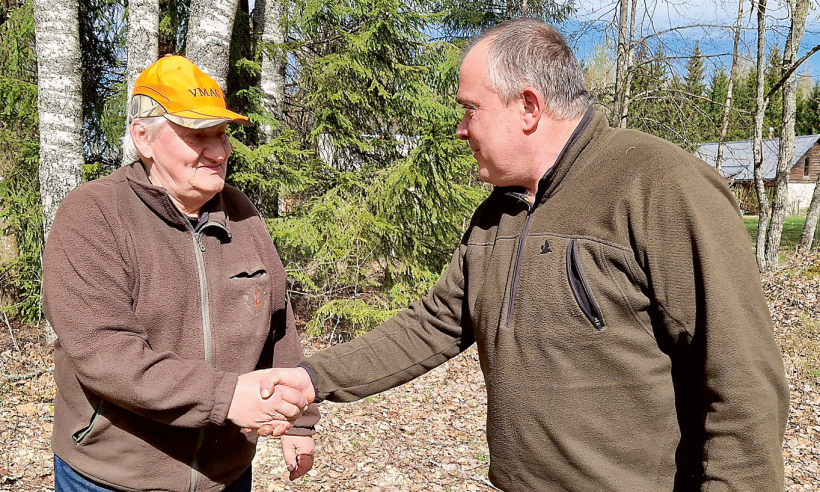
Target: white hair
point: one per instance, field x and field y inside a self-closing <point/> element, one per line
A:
<point x="152" y="125"/>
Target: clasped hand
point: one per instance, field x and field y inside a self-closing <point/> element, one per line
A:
<point x="281" y="406"/>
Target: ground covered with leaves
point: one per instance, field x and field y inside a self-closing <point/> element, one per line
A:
<point x="425" y="436"/>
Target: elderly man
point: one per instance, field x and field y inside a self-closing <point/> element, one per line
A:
<point x="609" y="284"/>
<point x="166" y="293"/>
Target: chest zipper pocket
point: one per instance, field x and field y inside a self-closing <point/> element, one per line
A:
<point x="82" y="433"/>
<point x="580" y="287"/>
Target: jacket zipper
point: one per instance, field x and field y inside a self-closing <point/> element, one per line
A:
<point x="80" y="435"/>
<point x="580" y="288"/>
<point x="199" y="248"/>
<point x="517" y="267"/>
<point x="531" y="208"/>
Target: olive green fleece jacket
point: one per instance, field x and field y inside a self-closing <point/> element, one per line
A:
<point x="155" y="322"/>
<point x="622" y="330"/>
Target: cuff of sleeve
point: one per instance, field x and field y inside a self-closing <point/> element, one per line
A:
<point x="300" y="431"/>
<point x="223" y="395"/>
<point x="313" y="380"/>
<point x="309" y="418"/>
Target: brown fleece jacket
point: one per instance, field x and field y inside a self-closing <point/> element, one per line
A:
<point x="155" y="322"/>
<point x="622" y="331"/>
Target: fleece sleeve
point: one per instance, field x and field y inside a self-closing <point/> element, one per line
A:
<point x="701" y="273"/>
<point x="431" y="331"/>
<point x="87" y="285"/>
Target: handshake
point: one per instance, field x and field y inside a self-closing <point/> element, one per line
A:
<point x="269" y="400"/>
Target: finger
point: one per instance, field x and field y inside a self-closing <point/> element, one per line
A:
<point x="264" y="431"/>
<point x="290" y="395"/>
<point x="282" y="410"/>
<point x="304" y="464"/>
<point x="247" y="430"/>
<point x="280" y="428"/>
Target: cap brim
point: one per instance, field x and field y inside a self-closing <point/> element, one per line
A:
<point x="206" y="116"/>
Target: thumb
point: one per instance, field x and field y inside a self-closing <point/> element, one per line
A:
<point x="289" y="453"/>
<point x="268" y="381"/>
<point x="296" y="378"/>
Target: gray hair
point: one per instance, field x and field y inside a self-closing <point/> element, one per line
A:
<point x="152" y="125"/>
<point x="527" y="52"/>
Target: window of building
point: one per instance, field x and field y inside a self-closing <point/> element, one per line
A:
<point x="806" y="168"/>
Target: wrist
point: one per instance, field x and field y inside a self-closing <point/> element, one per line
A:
<point x="313" y="381"/>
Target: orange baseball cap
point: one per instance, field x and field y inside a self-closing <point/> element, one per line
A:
<point x="177" y="89"/>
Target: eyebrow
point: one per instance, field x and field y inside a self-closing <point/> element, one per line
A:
<point x="464" y="102"/>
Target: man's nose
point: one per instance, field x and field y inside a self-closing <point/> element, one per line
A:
<point x="216" y="150"/>
<point x="461" y="130"/>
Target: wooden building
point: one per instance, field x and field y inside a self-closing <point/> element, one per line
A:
<point x="738" y="169"/>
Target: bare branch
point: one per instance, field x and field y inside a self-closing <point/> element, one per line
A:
<point x="790" y="71"/>
<point x="14" y="378"/>
<point x="11" y="332"/>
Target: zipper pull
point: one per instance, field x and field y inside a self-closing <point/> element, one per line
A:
<point x="199" y="241"/>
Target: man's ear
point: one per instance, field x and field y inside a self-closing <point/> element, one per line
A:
<point x="533" y="104"/>
<point x="141" y="138"/>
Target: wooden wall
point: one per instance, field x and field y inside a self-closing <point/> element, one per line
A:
<point x="797" y="173"/>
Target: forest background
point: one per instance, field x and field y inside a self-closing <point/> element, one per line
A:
<point x="365" y="190"/>
<point x="352" y="159"/>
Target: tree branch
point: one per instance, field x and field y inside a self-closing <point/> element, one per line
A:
<point x="790" y="71"/>
<point x="13" y="378"/>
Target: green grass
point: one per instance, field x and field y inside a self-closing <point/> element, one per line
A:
<point x="792" y="229"/>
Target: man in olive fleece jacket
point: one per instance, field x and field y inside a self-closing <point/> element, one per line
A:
<point x="610" y="287"/>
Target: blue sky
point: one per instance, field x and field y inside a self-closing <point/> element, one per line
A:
<point x="585" y="29"/>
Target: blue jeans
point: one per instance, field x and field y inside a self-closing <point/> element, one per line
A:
<point x="67" y="480"/>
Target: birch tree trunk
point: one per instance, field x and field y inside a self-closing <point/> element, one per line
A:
<point x="8" y="253"/>
<point x="268" y="15"/>
<point x="630" y="66"/>
<point x="780" y="198"/>
<point x="760" y="110"/>
<point x="210" y="25"/>
<point x="807" y="238"/>
<point x="620" y="61"/>
<point x="268" y="20"/>
<point x="143" y="38"/>
<point x="59" y="105"/>
<point x="143" y="42"/>
<point x="727" y="108"/>
<point x="8" y="247"/>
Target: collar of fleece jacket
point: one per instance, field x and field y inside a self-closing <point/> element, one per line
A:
<point x="157" y="199"/>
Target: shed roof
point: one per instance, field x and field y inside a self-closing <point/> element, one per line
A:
<point x="738" y="157"/>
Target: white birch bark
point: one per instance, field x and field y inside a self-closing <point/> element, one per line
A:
<point x="143" y="38"/>
<point x="760" y="110"/>
<point x="780" y="198"/>
<point x="630" y="66"/>
<point x="59" y="105"/>
<point x="269" y="15"/>
<point x="727" y="108"/>
<point x="620" y="60"/>
<point x="210" y="25"/>
<point x="142" y="42"/>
